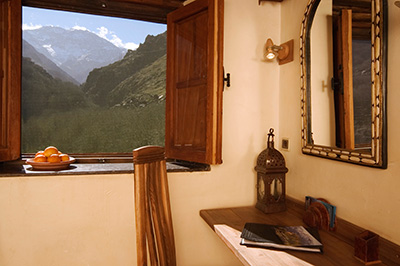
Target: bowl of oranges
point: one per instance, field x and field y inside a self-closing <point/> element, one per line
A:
<point x="50" y="159"/>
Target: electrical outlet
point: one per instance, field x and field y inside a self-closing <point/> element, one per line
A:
<point x="285" y="144"/>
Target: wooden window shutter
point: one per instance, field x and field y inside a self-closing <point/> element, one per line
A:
<point x="343" y="73"/>
<point x="10" y="76"/>
<point x="195" y="82"/>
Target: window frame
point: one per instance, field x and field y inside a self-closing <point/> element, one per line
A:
<point x="13" y="59"/>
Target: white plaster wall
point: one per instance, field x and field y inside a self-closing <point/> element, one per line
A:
<point x="67" y="221"/>
<point x="364" y="196"/>
<point x="89" y="220"/>
<point x="322" y="97"/>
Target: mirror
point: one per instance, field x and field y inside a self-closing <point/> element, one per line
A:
<point x="343" y="56"/>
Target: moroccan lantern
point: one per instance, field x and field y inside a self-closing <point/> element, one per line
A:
<point x="271" y="172"/>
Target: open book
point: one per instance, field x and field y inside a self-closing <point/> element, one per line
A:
<point x="281" y="237"/>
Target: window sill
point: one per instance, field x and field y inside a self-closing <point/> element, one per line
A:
<point x="19" y="168"/>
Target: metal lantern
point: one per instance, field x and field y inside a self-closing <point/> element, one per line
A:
<point x="271" y="172"/>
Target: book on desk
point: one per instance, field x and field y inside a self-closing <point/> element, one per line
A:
<point x="281" y="237"/>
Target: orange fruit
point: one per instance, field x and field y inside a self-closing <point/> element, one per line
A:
<point x="64" y="157"/>
<point x="39" y="152"/>
<point x="54" y="158"/>
<point x="40" y="158"/>
<point x="50" y="150"/>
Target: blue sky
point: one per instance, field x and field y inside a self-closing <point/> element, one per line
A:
<point x="122" y="32"/>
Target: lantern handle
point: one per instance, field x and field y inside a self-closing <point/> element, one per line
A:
<point x="271" y="134"/>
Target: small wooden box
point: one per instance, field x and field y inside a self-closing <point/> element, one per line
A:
<point x="366" y="247"/>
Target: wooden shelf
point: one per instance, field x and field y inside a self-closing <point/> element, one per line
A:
<point x="338" y="246"/>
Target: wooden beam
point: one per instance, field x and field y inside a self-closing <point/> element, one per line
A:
<point x="361" y="16"/>
<point x="259" y="1"/>
<point x="353" y="3"/>
<point x="158" y="3"/>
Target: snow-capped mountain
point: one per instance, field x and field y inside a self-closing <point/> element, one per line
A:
<point x="30" y="52"/>
<point x="77" y="52"/>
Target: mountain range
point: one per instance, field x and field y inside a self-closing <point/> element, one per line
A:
<point x="76" y="52"/>
<point x="29" y="51"/>
<point x="136" y="80"/>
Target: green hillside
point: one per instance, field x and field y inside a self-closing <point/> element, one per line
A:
<point x="110" y="85"/>
<point x="144" y="87"/>
<point x="42" y="94"/>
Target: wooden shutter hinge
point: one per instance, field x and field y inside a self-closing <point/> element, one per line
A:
<point x="227" y="79"/>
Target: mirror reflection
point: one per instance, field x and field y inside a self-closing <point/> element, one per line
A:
<point x="340" y="41"/>
<point x="343" y="58"/>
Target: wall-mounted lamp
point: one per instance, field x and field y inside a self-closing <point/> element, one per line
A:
<point x="283" y="52"/>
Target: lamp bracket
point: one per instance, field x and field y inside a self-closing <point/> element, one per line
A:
<point x="285" y="55"/>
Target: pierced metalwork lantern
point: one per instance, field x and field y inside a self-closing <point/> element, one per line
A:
<point x="271" y="183"/>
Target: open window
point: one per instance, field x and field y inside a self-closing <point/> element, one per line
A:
<point x="194" y="103"/>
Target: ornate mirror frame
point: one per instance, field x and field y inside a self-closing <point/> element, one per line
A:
<point x="377" y="156"/>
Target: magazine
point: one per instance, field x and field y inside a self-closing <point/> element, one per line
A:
<point x="281" y="237"/>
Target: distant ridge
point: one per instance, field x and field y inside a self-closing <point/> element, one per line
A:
<point x="29" y="51"/>
<point x="77" y="52"/>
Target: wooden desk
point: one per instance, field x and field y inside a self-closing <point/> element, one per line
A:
<point x="228" y="224"/>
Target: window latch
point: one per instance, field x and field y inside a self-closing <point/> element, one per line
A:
<point x="227" y="79"/>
